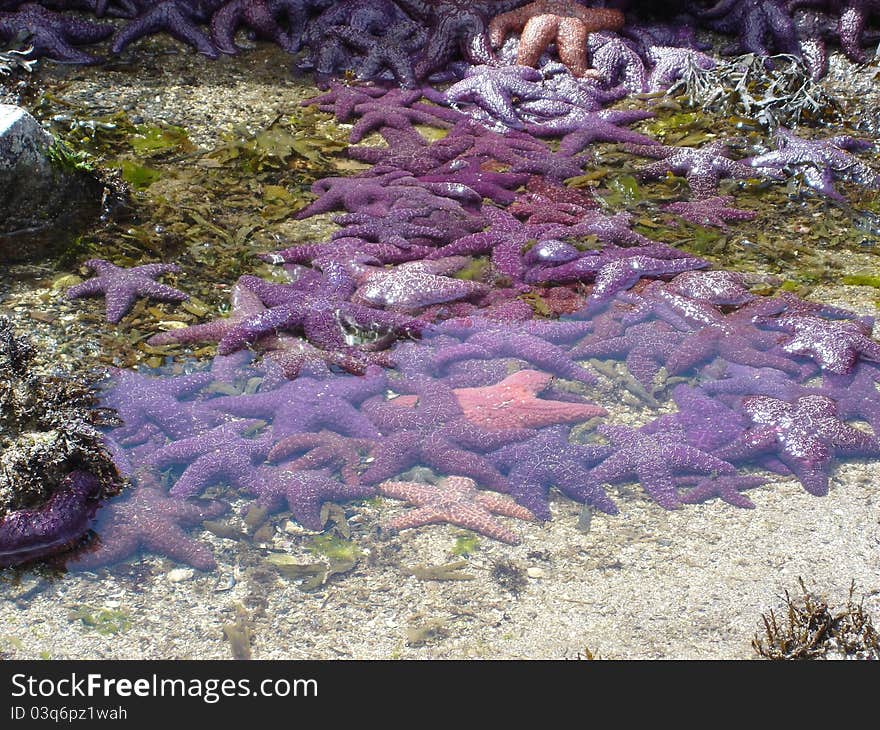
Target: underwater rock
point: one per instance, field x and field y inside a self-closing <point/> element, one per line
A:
<point x="42" y="193"/>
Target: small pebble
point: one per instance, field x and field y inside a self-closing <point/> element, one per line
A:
<point x="178" y="575"/>
<point x="535" y="572"/>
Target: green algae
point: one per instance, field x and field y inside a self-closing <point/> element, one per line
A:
<point x="106" y="621"/>
<point x="448" y="571"/>
<point x="465" y="545"/>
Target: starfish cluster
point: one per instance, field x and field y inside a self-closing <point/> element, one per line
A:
<point x="474" y="307"/>
<point x="408" y="41"/>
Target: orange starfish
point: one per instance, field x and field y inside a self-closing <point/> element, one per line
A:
<point x="513" y="403"/>
<point x="564" y="22"/>
<point x="457" y="501"/>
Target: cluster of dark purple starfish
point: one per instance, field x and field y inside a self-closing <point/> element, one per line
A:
<point x="411" y="39"/>
<point x="453" y="244"/>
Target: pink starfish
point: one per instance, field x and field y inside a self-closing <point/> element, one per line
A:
<point x="458" y="501"/>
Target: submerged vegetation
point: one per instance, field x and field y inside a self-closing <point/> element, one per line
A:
<point x="810" y="629"/>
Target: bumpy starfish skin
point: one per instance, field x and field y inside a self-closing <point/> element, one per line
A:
<point x="221" y="454"/>
<point x="806" y="435"/>
<point x="548" y="460"/>
<point x="654" y="459"/>
<point x="308" y="404"/>
<point x="835" y="345"/>
<point x="319" y="450"/>
<point x="715" y="211"/>
<point x="178" y="18"/>
<point x="416" y="284"/>
<point x="147" y="518"/>
<point x="669" y="63"/>
<point x="143" y="401"/>
<point x="727" y="488"/>
<point x="121" y="287"/>
<point x="702" y="167"/>
<point x="493" y="89"/>
<point x="455" y="25"/>
<point x="52" y="35"/>
<point x="260" y="15"/>
<point x="513" y="403"/>
<point x="455" y="500"/>
<point x="581" y="128"/>
<point x="407" y="152"/>
<point x="563" y="22"/>
<point x="821" y="160"/>
<point x="304" y="492"/>
<point x="31" y="534"/>
<point x="391" y="51"/>
<point x="617" y="61"/>
<point x="753" y="21"/>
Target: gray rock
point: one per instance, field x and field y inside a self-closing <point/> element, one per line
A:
<point x="42" y="203"/>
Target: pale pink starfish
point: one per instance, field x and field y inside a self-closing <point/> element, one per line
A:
<point x="457" y="501"/>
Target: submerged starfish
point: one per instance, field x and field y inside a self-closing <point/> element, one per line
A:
<point x="221" y="454"/>
<point x="548" y="460"/>
<point x="179" y="18"/>
<point x="147" y="518"/>
<point x="455" y="25"/>
<point x="702" y="166"/>
<point x="753" y="21"/>
<point x="455" y="500"/>
<point x="655" y="459"/>
<point x="714" y="211"/>
<point x="34" y="533"/>
<point x="263" y="17"/>
<point x="122" y="286"/>
<point x="52" y="35"/>
<point x="563" y="22"/>
<point x="805" y="435"/>
<point x="821" y="160"/>
<point x="304" y="492"/>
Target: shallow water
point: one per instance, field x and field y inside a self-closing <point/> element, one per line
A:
<point x="369" y="593"/>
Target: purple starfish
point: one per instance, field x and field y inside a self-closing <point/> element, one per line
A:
<point x="179" y="18"/>
<point x="52" y="35"/>
<point x="147" y="518"/>
<point x="308" y="404"/>
<point x="856" y="393"/>
<point x="400" y="109"/>
<point x="617" y="60"/>
<point x="835" y="345"/>
<point x="733" y="336"/>
<point x="342" y="98"/>
<point x="455" y="25"/>
<point x="433" y="433"/>
<point x="645" y="348"/>
<point x="144" y="402"/>
<point x="669" y="63"/>
<point x="727" y="288"/>
<point x="702" y="167"/>
<point x="31" y="534"/>
<point x="221" y="454"/>
<point x="582" y="128"/>
<point x="821" y="160"/>
<point x="409" y="153"/>
<point x="317" y="309"/>
<point x="805" y="435"/>
<point x="534" y="342"/>
<point x="263" y="17"/>
<point x="497" y="186"/>
<point x="714" y="211"/>
<point x="754" y="22"/>
<point x="550" y="459"/>
<point x="415" y="285"/>
<point x="727" y="488"/>
<point x="121" y="287"/>
<point x="655" y="458"/>
<point x="304" y="492"/>
<point x="391" y="50"/>
<point x="494" y="88"/>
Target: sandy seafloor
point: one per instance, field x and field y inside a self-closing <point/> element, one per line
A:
<point x="645" y="584"/>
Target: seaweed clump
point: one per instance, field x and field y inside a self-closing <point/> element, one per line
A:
<point x="48" y="429"/>
<point x="812" y="630"/>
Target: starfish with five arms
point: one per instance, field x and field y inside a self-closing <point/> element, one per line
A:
<point x="454" y="500"/>
<point x="122" y="286"/>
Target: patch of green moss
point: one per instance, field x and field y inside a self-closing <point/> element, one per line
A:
<point x="465" y="545"/>
<point x="105" y="621"/>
